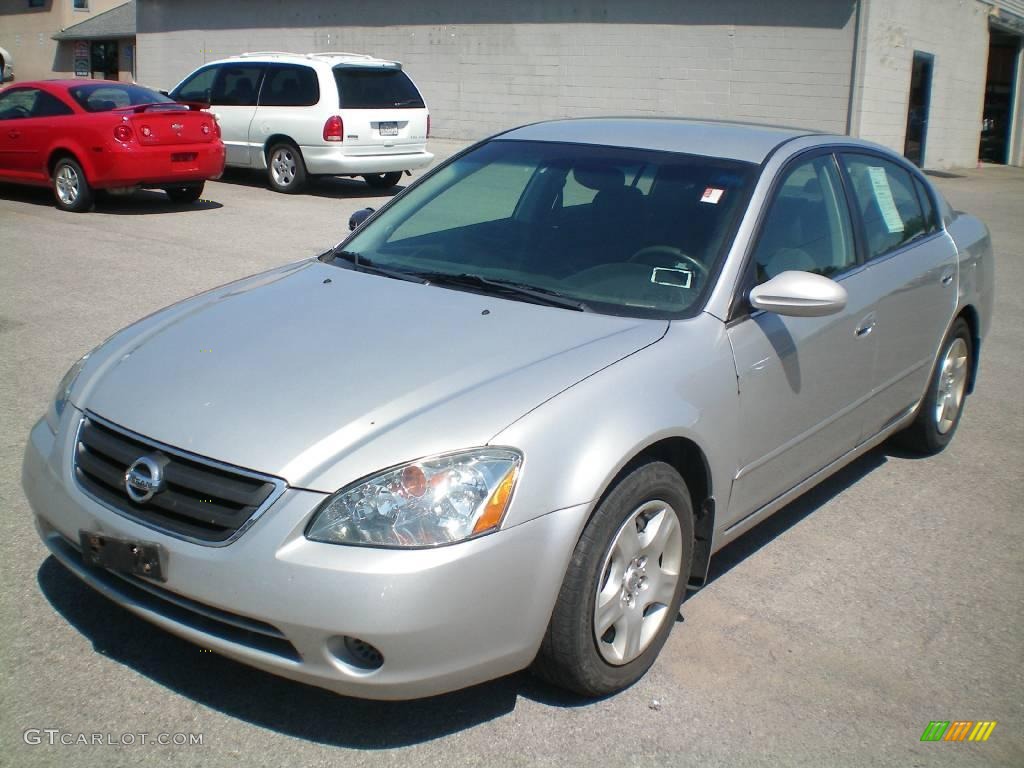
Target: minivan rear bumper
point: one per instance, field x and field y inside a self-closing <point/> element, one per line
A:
<point x="333" y="161"/>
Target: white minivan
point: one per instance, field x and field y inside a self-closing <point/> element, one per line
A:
<point x="317" y="114"/>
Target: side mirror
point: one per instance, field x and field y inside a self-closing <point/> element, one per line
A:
<point x="358" y="218"/>
<point x="165" y="93"/>
<point x="799" y="294"/>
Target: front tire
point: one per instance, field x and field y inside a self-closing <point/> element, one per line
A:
<point x="188" y="193"/>
<point x="286" y="170"/>
<point x="71" y="190"/>
<point x="623" y="586"/>
<point x="383" y="180"/>
<point x="943" y="404"/>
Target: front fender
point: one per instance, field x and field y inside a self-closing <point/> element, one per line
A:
<point x="577" y="443"/>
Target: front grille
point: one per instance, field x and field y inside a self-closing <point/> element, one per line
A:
<point x="200" y="501"/>
<point x="240" y="630"/>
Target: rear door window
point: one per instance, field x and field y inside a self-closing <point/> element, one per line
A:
<point x="376" y="88"/>
<point x="290" y="85"/>
<point x="888" y="203"/>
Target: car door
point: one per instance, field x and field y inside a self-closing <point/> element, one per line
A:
<point x="801" y="379"/>
<point x="232" y="91"/>
<point x="911" y="256"/>
<point x="288" y="106"/>
<point x="235" y="94"/>
<point x="23" y="131"/>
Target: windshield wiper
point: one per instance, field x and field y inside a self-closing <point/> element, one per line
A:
<point x="363" y="264"/>
<point x="532" y="293"/>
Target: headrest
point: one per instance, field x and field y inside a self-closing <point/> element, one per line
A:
<point x="599" y="177"/>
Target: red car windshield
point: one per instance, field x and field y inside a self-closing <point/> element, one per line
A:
<point x="103" y="97"/>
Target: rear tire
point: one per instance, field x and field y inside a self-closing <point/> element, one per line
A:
<point x="623" y="586"/>
<point x="943" y="404"/>
<point x="383" y="180"/>
<point x="286" y="170"/>
<point x="188" y="193"/>
<point x="71" y="190"/>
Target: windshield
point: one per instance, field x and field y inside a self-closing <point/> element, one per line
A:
<point x="625" y="231"/>
<point x="372" y="88"/>
<point x="103" y="97"/>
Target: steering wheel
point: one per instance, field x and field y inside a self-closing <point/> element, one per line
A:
<point x="646" y="256"/>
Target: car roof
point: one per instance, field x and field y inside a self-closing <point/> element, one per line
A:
<point x="737" y="141"/>
<point x="331" y="58"/>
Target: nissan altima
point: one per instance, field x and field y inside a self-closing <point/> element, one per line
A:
<point x="508" y="421"/>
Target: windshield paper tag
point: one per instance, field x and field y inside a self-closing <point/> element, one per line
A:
<point x="712" y="195"/>
<point x="883" y="194"/>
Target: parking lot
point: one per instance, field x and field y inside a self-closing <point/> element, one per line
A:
<point x="889" y="597"/>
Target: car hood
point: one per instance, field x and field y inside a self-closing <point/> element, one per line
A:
<point x="321" y="375"/>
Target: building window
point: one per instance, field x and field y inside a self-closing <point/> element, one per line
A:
<point x="36" y="3"/>
<point x="80" y="5"/>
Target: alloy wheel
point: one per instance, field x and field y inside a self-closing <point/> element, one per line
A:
<point x="952" y="385"/>
<point x="637" y="582"/>
<point x="67" y="184"/>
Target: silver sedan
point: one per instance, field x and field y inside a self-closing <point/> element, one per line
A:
<point x="510" y="419"/>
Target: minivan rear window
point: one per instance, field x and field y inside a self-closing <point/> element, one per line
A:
<point x="369" y="88"/>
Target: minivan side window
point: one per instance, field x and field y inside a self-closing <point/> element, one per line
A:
<point x="198" y="88"/>
<point x="888" y="203"/>
<point x="290" y="85"/>
<point x="808" y="227"/>
<point x="237" y="85"/>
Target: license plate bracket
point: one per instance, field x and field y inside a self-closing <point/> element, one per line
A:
<point x="388" y="129"/>
<point x="139" y="558"/>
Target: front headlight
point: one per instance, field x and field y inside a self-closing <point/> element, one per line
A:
<point x="437" y="500"/>
<point x="60" y="399"/>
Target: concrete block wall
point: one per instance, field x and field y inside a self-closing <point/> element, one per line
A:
<point x="956" y="33"/>
<point x="487" y="66"/>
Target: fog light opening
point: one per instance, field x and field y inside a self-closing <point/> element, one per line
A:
<point x="357" y="653"/>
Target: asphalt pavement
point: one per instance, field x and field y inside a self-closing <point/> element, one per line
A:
<point x="889" y="597"/>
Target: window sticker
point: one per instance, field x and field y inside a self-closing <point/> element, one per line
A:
<point x="712" y="195"/>
<point x="883" y="195"/>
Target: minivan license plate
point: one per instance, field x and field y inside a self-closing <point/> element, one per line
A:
<point x="388" y="129"/>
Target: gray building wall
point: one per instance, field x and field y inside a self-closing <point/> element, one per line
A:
<point x="956" y="33"/>
<point x="485" y="66"/>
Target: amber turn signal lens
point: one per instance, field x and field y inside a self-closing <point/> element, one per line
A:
<point x="497" y="504"/>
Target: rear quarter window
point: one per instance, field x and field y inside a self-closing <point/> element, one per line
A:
<point x="376" y="88"/>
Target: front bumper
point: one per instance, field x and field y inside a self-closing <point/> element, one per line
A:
<point x="443" y="618"/>
<point x="332" y="160"/>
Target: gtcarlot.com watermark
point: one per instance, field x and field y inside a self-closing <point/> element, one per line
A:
<point x="57" y="737"/>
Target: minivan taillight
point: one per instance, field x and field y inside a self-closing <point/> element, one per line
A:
<point x="334" y="129"/>
<point x="428" y="126"/>
<point x="123" y="132"/>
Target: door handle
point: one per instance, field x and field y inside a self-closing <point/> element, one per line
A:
<point x="947" y="278"/>
<point x="14" y="134"/>
<point x="867" y="325"/>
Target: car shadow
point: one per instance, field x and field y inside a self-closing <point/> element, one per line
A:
<point x="775" y="525"/>
<point x="143" y="202"/>
<point x="272" y="702"/>
<point x="319" y="186"/>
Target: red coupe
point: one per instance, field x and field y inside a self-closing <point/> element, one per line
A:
<point x="78" y="136"/>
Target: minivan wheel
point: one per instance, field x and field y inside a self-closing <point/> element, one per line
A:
<point x="285" y="169"/>
<point x="71" y="189"/>
<point x="383" y="180"/>
<point x="187" y="193"/>
<point x="623" y="586"/>
<point x="943" y="403"/>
